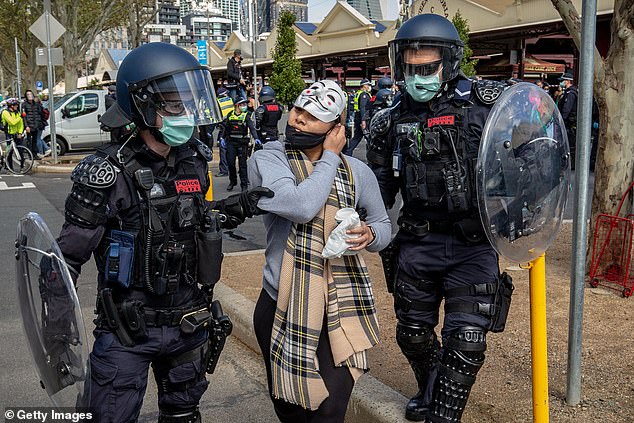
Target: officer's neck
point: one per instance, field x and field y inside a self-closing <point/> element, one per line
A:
<point x="153" y="144"/>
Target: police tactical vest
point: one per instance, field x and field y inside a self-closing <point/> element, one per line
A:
<point x="237" y="125"/>
<point x="356" y="100"/>
<point x="272" y="114"/>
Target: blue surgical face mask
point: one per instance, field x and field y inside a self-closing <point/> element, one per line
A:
<point x="243" y="108"/>
<point x="177" y="130"/>
<point x="562" y="84"/>
<point x="422" y="88"/>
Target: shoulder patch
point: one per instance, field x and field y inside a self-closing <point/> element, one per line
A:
<point x="95" y="171"/>
<point x="203" y="150"/>
<point x="489" y="91"/>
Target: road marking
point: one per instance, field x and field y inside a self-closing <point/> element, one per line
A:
<point x="5" y="187"/>
<point x="244" y="253"/>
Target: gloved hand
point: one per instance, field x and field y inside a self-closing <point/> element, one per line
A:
<point x="223" y="143"/>
<point x="238" y="207"/>
<point x="258" y="142"/>
<point x="363" y="213"/>
<point x="595" y="125"/>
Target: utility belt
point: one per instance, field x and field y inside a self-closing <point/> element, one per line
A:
<point x="129" y="319"/>
<point x="239" y="139"/>
<point x="468" y="229"/>
<point x="497" y="310"/>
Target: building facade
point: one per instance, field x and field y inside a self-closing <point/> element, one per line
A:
<point x="298" y="7"/>
<point x="371" y="9"/>
<point x="211" y="25"/>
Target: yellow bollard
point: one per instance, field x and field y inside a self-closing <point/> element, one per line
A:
<point x="539" y="345"/>
<point x="209" y="195"/>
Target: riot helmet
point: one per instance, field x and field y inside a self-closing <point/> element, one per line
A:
<point x="384" y="98"/>
<point x="267" y="94"/>
<point x="385" y="82"/>
<point x="424" y="46"/>
<point x="157" y="81"/>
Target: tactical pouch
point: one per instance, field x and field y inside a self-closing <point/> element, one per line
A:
<point x="170" y="262"/>
<point x="209" y="256"/>
<point x="389" y="258"/>
<point x="120" y="258"/>
<point x="502" y="302"/>
<point x="134" y="319"/>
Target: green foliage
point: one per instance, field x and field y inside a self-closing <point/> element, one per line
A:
<point x="93" y="84"/>
<point x="462" y="25"/>
<point x="286" y="78"/>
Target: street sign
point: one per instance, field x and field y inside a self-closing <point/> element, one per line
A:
<point x="202" y="52"/>
<point x="39" y="86"/>
<point x="41" y="56"/>
<point x="39" y="28"/>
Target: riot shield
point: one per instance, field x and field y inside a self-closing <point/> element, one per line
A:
<point x="523" y="173"/>
<point x="51" y="316"/>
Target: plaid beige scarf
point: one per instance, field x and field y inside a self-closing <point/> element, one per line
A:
<point x="311" y="285"/>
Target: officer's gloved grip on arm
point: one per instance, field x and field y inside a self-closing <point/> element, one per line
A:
<point x="238" y="207"/>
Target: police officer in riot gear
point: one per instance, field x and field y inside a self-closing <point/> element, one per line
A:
<point x="267" y="115"/>
<point x="361" y="104"/>
<point x="425" y="146"/>
<point x="383" y="99"/>
<point x="567" y="105"/>
<point x="385" y="83"/>
<point x="139" y="206"/>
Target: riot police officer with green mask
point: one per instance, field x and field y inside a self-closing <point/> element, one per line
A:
<point x="425" y="147"/>
<point x="138" y="204"/>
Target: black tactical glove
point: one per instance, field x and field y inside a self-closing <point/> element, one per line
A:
<point x="363" y="213"/>
<point x="238" y="207"/>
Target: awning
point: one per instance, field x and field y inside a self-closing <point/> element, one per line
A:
<point x="531" y="65"/>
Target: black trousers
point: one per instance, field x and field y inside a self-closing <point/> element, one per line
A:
<point x="338" y="380"/>
<point x="240" y="151"/>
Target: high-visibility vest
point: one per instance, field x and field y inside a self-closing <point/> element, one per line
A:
<point x="226" y="105"/>
<point x="356" y="100"/>
<point x="237" y="125"/>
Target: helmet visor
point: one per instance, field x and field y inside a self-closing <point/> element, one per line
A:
<point x="424" y="58"/>
<point x="188" y="94"/>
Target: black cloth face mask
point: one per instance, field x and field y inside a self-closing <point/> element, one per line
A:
<point x="301" y="140"/>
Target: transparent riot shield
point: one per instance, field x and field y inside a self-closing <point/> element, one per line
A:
<point x="51" y="316"/>
<point x="523" y="173"/>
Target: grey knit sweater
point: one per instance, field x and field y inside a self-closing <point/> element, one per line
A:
<point x="300" y="203"/>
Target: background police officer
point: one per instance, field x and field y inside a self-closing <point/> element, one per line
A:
<point x="567" y="105"/>
<point x="383" y="97"/>
<point x="267" y="115"/>
<point x="361" y="105"/>
<point x="225" y="103"/>
<point x="139" y="206"/>
<point x="234" y="134"/>
<point x="425" y="146"/>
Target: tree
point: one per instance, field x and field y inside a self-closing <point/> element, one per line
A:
<point x="138" y="14"/>
<point x="462" y="25"/>
<point x="286" y="78"/>
<point x="614" y="93"/>
<point x="15" y="18"/>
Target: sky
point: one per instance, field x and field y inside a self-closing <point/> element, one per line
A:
<point x="317" y="9"/>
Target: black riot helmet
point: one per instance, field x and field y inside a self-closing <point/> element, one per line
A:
<point x="385" y="82"/>
<point x="163" y="79"/>
<point x="267" y="94"/>
<point x="424" y="32"/>
<point x="384" y="98"/>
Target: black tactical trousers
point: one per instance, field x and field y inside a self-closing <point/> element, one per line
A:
<point x="240" y="151"/>
<point x="119" y="374"/>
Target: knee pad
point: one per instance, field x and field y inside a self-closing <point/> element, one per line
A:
<point x="417" y="342"/>
<point x="192" y="416"/>
<point x="469" y="340"/>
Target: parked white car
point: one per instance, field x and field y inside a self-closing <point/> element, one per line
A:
<point x="77" y="121"/>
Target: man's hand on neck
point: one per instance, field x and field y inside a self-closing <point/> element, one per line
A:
<point x="153" y="144"/>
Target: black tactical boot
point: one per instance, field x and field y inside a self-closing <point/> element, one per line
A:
<point x="416" y="410"/>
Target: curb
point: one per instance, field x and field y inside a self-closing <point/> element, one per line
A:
<point x="371" y="401"/>
<point x="38" y="168"/>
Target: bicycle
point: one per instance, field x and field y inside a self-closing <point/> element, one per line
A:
<point x="16" y="158"/>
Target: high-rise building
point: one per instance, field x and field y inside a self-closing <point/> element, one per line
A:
<point x="168" y="12"/>
<point x="371" y="9"/>
<point x="209" y="25"/>
<point x="231" y="10"/>
<point x="298" y="7"/>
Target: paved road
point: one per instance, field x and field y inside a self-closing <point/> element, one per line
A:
<point x="238" y="388"/>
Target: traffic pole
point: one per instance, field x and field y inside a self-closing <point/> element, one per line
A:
<point x="17" y="71"/>
<point x="539" y="344"/>
<point x="51" y="82"/>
